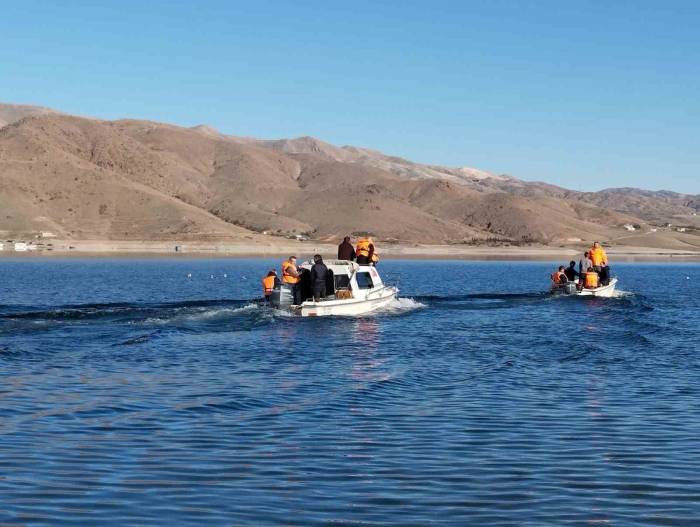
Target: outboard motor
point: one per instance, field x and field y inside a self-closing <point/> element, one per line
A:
<point x="281" y="297"/>
<point x="570" y="288"/>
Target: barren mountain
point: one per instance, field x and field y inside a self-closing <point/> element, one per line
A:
<point x="129" y="179"/>
<point x="10" y="113"/>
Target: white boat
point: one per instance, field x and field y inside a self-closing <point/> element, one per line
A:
<point x="351" y="290"/>
<point x="570" y="289"/>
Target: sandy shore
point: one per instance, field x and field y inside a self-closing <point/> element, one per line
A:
<point x="282" y="248"/>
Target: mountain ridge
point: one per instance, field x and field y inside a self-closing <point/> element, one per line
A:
<point x="137" y="179"/>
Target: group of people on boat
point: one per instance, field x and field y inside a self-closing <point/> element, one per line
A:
<point x="364" y="253"/>
<point x="593" y="270"/>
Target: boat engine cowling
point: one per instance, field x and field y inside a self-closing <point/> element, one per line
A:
<point x="281" y="296"/>
<point x="570" y="288"/>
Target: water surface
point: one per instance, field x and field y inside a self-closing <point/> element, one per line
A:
<point x="134" y="394"/>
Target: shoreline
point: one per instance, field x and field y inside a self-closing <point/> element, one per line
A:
<point x="213" y="250"/>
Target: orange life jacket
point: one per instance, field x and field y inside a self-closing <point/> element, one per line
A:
<point x="375" y="258"/>
<point x="268" y="284"/>
<point x="362" y="247"/>
<point x="288" y="278"/>
<point x="558" y="277"/>
<point x="598" y="256"/>
<point x="591" y="280"/>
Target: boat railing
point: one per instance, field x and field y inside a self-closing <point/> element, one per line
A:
<point x="380" y="289"/>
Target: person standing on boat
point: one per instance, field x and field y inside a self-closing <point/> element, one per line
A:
<point x="269" y="283"/>
<point x="600" y="262"/>
<point x="292" y="276"/>
<point x="319" y="275"/>
<point x="345" y="250"/>
<point x="584" y="264"/>
<point x="364" y="250"/>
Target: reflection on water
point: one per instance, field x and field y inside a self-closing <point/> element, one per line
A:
<point x="133" y="394"/>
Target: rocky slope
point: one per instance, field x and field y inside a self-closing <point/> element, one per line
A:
<point x="129" y="179"/>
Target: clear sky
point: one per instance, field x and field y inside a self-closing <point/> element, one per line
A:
<point x="587" y="94"/>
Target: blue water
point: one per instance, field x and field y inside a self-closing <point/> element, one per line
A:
<point x="132" y="394"/>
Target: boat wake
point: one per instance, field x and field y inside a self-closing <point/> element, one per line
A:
<point x="401" y="305"/>
<point x="480" y="301"/>
<point x="189" y="315"/>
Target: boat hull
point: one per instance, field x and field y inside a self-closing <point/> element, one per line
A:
<point x="604" y="291"/>
<point x="349" y="307"/>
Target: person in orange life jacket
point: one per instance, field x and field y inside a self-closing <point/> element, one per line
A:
<point x="559" y="277"/>
<point x="600" y="262"/>
<point x="291" y="276"/>
<point x="269" y="282"/>
<point x="374" y="259"/>
<point x="364" y="251"/>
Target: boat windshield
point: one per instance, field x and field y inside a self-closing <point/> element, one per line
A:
<point x="364" y="280"/>
<point x="342" y="281"/>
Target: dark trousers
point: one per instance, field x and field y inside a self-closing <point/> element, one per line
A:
<point x="362" y="260"/>
<point x="296" y="293"/>
<point x="319" y="291"/>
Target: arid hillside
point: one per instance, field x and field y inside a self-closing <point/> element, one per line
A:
<point x="138" y="180"/>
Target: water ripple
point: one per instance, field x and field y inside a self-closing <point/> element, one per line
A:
<point x="478" y="406"/>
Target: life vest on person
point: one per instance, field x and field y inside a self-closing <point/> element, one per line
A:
<point x="591" y="280"/>
<point x="268" y="284"/>
<point x="286" y="276"/>
<point x="558" y="277"/>
<point x="597" y="256"/>
<point x="375" y="258"/>
<point x="362" y="247"/>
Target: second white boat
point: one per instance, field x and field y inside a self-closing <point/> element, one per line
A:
<point x="571" y="289"/>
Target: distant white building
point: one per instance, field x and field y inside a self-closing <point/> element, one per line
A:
<point x="21" y="247"/>
<point x="681" y="229"/>
<point x="2" y="246"/>
<point x="653" y="230"/>
<point x="48" y="235"/>
<point x="629" y="227"/>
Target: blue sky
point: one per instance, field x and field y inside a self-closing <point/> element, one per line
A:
<point x="587" y="95"/>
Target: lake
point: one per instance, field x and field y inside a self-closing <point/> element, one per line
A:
<point x="141" y="392"/>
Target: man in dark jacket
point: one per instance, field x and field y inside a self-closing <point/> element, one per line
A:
<point x="571" y="272"/>
<point x="345" y="250"/>
<point x="319" y="274"/>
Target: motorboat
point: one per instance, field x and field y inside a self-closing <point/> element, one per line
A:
<point x="572" y="289"/>
<point x="351" y="290"/>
